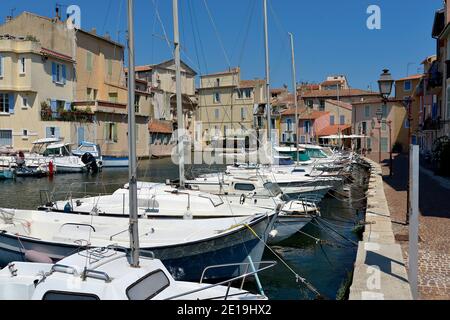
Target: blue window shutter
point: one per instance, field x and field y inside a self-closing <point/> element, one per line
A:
<point x="67" y="106"/>
<point x="57" y="133"/>
<point x="48" y="132"/>
<point x="53" y="105"/>
<point x="54" y="71"/>
<point x="64" y="74"/>
<point x="11" y="103"/>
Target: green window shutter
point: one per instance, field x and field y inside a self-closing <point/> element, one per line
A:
<point x="114" y="128"/>
<point x="105" y="131"/>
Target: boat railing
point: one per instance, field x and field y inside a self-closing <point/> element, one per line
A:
<point x="228" y="282"/>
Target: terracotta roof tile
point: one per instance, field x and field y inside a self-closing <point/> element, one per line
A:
<point x="412" y="77"/>
<point x="341" y="104"/>
<point x="305" y="114"/>
<point x="251" y="83"/>
<point x="333" y="93"/>
<point x="160" y="126"/>
<point x="333" y="129"/>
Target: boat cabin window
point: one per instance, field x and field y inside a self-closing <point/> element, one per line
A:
<point x="39" y="148"/>
<point x="90" y="149"/>
<point x="298" y="170"/>
<point x="244" y="187"/>
<point x="148" y="286"/>
<point x="274" y="189"/>
<point x="60" y="295"/>
<point x="57" y="152"/>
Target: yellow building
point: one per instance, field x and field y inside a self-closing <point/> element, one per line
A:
<point x="36" y="91"/>
<point x="227" y="104"/>
<point x="100" y="86"/>
<point x="365" y="122"/>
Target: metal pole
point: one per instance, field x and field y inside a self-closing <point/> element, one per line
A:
<point x="414" y="219"/>
<point x="266" y="44"/>
<point x="180" y="119"/>
<point x="379" y="142"/>
<point x="339" y="115"/>
<point x="134" y="237"/>
<point x="390" y="149"/>
<point x="294" y="83"/>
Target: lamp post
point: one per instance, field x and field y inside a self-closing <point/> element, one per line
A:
<point x="385" y="84"/>
<point x="389" y="123"/>
<point x="379" y="118"/>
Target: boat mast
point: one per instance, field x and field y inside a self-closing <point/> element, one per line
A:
<point x="266" y="44"/>
<point x="134" y="237"/>
<point x="294" y="83"/>
<point x="180" y="119"/>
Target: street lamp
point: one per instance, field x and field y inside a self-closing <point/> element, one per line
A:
<point x="379" y="118"/>
<point x="389" y="123"/>
<point x="385" y="84"/>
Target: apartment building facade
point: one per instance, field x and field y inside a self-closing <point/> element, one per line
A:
<point x="99" y="87"/>
<point x="227" y="105"/>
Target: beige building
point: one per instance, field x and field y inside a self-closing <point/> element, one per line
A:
<point x="100" y="86"/>
<point x="36" y="93"/>
<point x="227" y="104"/>
<point x="365" y="123"/>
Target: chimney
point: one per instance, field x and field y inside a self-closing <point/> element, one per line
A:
<point x="94" y="31"/>
<point x="107" y="36"/>
<point x="8" y="18"/>
<point x="57" y="16"/>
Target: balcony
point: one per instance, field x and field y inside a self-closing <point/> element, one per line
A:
<point x="432" y="125"/>
<point x="67" y="116"/>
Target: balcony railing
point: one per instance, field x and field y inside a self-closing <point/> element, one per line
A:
<point x="68" y="116"/>
<point x="430" y="124"/>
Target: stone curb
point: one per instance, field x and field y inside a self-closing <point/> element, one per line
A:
<point x="380" y="272"/>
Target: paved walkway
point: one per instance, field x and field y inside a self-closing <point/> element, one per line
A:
<point x="434" y="246"/>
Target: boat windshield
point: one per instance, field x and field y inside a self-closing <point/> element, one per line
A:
<point x="62" y="151"/>
<point x="316" y="154"/>
<point x="274" y="189"/>
<point x="39" y="148"/>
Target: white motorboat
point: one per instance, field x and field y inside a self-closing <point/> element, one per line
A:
<point x="106" y="274"/>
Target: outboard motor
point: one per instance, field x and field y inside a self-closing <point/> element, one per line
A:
<point x="90" y="162"/>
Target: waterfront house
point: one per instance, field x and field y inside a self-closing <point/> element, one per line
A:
<point x="310" y="123"/>
<point x="100" y="87"/>
<point x="229" y="106"/>
<point x="376" y="134"/>
<point x="36" y="94"/>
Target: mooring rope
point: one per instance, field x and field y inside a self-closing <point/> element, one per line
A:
<point x="297" y="276"/>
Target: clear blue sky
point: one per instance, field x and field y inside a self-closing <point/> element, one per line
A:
<point x="331" y="36"/>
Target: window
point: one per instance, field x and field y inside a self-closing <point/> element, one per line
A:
<point x="52" y="132"/>
<point x="89" y="61"/>
<point x="88" y="94"/>
<point x="243" y="113"/>
<point x="137" y="103"/>
<point x="307" y="126"/>
<point x="111" y="132"/>
<point x="244" y="187"/>
<point x="216" y="97"/>
<point x="367" y="111"/>
<point x="407" y="86"/>
<point x="25" y="133"/>
<point x="239" y="93"/>
<point x="148" y="286"/>
<point x="248" y="93"/>
<point x="6" y="103"/>
<point x="373" y="124"/>
<point x="310" y="103"/>
<point x="217" y="82"/>
<point x="369" y="143"/>
<point x="406" y="124"/>
<point x="22" y="68"/>
<point x="322" y="105"/>
<point x="113" y="97"/>
<point x="302" y="139"/>
<point x="332" y="120"/>
<point x="110" y="68"/>
<point x="364" y="127"/>
<point x="6" y="138"/>
<point x="383" y="125"/>
<point x="59" y="73"/>
<point x="59" y="295"/>
<point x="217" y="114"/>
<point x="24" y="102"/>
<point x="289" y="124"/>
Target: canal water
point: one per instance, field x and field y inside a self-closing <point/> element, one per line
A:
<point x="326" y="264"/>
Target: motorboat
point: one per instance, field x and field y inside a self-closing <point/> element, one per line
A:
<point x="106" y="274"/>
<point x="104" y="161"/>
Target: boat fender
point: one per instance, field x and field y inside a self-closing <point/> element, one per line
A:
<point x="67" y="208"/>
<point x="273" y="233"/>
<point x="37" y="257"/>
<point x="242" y="199"/>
